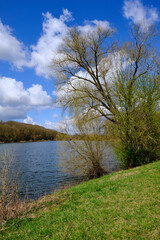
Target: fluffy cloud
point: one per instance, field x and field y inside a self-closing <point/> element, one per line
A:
<point x="38" y="97"/>
<point x="29" y="120"/>
<point x="66" y="124"/>
<point x="54" y="30"/>
<point x="90" y="26"/>
<point x="15" y="100"/>
<point x="40" y="55"/>
<point x="11" y="49"/>
<point x="12" y="113"/>
<point x="139" y="14"/>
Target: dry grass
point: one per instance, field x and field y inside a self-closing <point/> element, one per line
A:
<point x="11" y="206"/>
<point x="121" y="175"/>
<point x="13" y="210"/>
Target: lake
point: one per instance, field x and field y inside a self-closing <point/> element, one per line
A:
<point x="39" y="168"/>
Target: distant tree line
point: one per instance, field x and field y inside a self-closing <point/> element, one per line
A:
<point x="15" y="132"/>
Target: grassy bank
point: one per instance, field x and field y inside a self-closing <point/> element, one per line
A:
<point x="123" y="205"/>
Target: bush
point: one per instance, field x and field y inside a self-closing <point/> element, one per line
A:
<point x="10" y="203"/>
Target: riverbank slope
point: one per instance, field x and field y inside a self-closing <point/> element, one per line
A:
<point x="122" y="205"/>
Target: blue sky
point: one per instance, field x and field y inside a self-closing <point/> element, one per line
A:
<point x="28" y="43"/>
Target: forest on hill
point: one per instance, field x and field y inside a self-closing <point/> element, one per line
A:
<point x="12" y="131"/>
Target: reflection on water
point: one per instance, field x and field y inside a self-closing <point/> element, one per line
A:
<point x="40" y="172"/>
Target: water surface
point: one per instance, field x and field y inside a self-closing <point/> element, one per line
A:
<point x="39" y="166"/>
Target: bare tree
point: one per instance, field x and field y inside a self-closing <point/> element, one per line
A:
<point x="88" y="156"/>
<point x="82" y="65"/>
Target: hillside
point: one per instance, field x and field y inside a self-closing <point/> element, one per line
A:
<point x="122" y="205"/>
<point x="15" y="132"/>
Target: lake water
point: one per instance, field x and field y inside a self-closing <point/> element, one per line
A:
<point x="39" y="166"/>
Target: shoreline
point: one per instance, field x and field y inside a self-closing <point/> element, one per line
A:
<point x="89" y="207"/>
<point x="30" y="141"/>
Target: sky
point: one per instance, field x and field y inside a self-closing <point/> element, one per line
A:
<point x="30" y="35"/>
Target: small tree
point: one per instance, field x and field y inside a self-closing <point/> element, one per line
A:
<point x="87" y="156"/>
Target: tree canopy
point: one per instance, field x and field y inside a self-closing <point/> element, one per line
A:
<point x="97" y="78"/>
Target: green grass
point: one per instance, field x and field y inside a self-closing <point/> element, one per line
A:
<point x="123" y="205"/>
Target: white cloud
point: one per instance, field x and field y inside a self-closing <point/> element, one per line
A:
<point x="15" y="100"/>
<point x="12" y="113"/>
<point x="11" y="49"/>
<point x="40" y="55"/>
<point x="55" y="115"/>
<point x="12" y="92"/>
<point x="91" y="26"/>
<point x="66" y="124"/>
<point x="38" y="97"/>
<point x="140" y="14"/>
<point x="29" y="120"/>
<point x="54" y="30"/>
